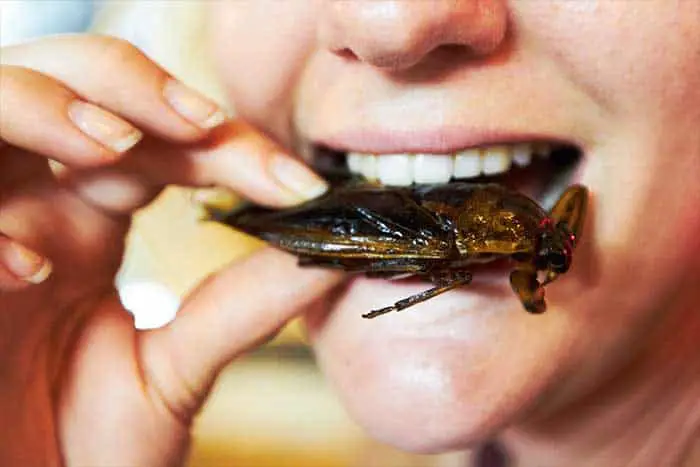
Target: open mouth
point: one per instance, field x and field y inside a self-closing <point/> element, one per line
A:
<point x="541" y="170"/>
<point x="385" y="236"/>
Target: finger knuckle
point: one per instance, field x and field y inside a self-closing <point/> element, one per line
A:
<point x="116" y="52"/>
<point x="125" y="70"/>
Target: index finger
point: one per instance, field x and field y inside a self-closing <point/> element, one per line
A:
<point x="235" y="156"/>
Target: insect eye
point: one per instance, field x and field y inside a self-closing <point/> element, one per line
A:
<point x="556" y="260"/>
<point x="541" y="260"/>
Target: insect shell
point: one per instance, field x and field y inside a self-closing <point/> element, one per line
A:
<point x="435" y="231"/>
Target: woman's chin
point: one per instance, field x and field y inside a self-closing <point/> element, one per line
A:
<point x="444" y="374"/>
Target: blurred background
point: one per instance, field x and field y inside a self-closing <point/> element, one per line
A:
<point x="273" y="407"/>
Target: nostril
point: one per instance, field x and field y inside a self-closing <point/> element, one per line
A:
<point x="397" y="35"/>
<point x="345" y="54"/>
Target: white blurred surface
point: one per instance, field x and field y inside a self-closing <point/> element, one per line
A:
<point x="152" y="304"/>
<point x="21" y="20"/>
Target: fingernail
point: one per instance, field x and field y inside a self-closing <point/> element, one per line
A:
<point x="27" y="265"/>
<point x="194" y="107"/>
<point x="103" y="126"/>
<point x="296" y="177"/>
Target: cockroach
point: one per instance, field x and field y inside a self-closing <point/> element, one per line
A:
<point x="435" y="231"/>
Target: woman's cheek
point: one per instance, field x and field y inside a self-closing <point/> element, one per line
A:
<point x="261" y="57"/>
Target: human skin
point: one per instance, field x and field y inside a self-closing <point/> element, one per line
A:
<point x="78" y="384"/>
<point x="609" y="373"/>
<point x="612" y="370"/>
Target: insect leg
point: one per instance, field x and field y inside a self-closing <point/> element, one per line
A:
<point x="347" y="264"/>
<point x="531" y="293"/>
<point x="463" y="279"/>
<point x="388" y="274"/>
<point x="570" y="209"/>
<point x="314" y="261"/>
<point x="383" y="269"/>
<point x="447" y="276"/>
<point x="394" y="265"/>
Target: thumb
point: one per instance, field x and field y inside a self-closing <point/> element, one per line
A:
<point x="227" y="315"/>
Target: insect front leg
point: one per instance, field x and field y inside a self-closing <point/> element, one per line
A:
<point x="570" y="209"/>
<point x="460" y="278"/>
<point x="525" y="284"/>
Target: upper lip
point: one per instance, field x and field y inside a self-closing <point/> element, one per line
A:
<point x="444" y="140"/>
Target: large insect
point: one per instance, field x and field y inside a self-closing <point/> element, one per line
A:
<point x="435" y="231"/>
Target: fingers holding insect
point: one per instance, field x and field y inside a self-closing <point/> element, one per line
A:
<point x="238" y="157"/>
<point x="73" y="131"/>
<point x="227" y="315"/>
<point x="90" y="118"/>
<point x="528" y="289"/>
<point x="117" y="76"/>
<point x="20" y="267"/>
<point x="244" y="160"/>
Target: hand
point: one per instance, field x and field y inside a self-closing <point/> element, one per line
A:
<point x="78" y="385"/>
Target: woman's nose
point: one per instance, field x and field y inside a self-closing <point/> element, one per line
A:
<point x="398" y="34"/>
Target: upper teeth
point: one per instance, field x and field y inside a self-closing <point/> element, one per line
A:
<point x="406" y="169"/>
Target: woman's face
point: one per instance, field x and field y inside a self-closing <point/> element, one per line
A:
<point x="619" y="80"/>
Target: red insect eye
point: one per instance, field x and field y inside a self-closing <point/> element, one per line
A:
<point x="546" y="222"/>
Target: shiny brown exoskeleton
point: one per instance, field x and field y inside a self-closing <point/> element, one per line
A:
<point x="434" y="231"/>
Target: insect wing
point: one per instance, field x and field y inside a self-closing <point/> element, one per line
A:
<point x="358" y="222"/>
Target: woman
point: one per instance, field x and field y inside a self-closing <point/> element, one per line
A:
<point x="609" y="376"/>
